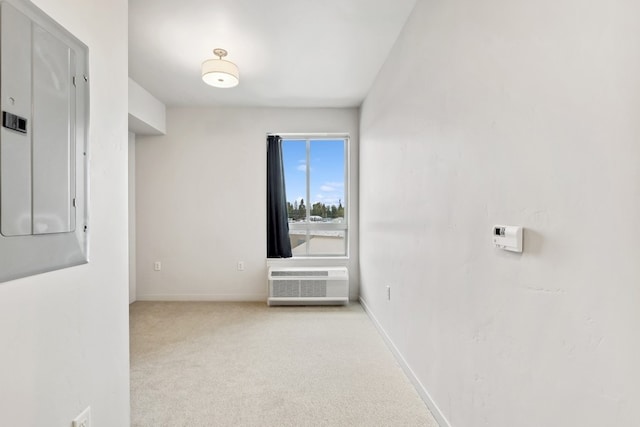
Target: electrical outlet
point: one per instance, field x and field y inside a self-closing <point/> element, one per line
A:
<point x="157" y="266"/>
<point x="84" y="419"/>
<point x="240" y="265"/>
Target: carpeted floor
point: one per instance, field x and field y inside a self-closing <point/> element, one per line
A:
<point x="246" y="364"/>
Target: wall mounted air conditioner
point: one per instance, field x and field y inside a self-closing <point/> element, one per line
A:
<point x="308" y="285"/>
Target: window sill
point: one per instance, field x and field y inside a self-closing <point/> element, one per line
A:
<point x="337" y="260"/>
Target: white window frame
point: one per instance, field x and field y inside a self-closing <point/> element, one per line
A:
<point x="310" y="226"/>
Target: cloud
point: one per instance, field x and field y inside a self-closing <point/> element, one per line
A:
<point x="327" y="200"/>
<point x="330" y="187"/>
<point x="331" y="201"/>
<point x="302" y="165"/>
<point x="335" y="184"/>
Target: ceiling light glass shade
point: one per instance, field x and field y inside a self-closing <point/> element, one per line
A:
<point x="220" y="73"/>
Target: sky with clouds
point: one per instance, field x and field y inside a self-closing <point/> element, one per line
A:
<point x="327" y="170"/>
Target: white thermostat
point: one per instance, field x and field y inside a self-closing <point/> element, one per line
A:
<point x="507" y="237"/>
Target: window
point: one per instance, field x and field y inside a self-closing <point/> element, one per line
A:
<point x="315" y="173"/>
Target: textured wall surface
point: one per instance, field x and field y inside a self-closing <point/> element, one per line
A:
<point x="509" y="112"/>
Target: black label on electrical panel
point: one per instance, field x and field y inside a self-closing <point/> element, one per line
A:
<point x="13" y="122"/>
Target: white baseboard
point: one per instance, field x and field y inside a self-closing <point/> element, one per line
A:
<point x="204" y="297"/>
<point x="422" y="391"/>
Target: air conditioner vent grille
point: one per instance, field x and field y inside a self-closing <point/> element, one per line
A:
<point x="313" y="288"/>
<point x="286" y="288"/>
<point x="308" y="273"/>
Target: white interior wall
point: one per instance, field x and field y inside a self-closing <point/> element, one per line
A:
<point x="509" y="112"/>
<point x="201" y="197"/>
<point x="147" y="115"/>
<point x="132" y="216"/>
<point x="64" y="334"/>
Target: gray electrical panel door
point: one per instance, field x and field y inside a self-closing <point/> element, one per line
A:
<point x="44" y="99"/>
<point x="53" y="144"/>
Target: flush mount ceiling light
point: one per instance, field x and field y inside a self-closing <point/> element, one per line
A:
<point x="219" y="72"/>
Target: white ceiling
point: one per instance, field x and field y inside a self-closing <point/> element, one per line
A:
<point x="291" y="53"/>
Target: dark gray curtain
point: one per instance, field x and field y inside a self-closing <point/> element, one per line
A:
<point x="278" y="243"/>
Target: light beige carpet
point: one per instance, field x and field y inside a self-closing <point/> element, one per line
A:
<point x="246" y="364"/>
